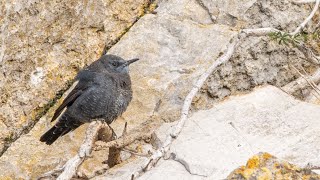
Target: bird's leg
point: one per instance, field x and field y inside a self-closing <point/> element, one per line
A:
<point x="114" y="135"/>
<point x="124" y="132"/>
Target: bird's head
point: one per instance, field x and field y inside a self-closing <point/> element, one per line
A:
<point x="116" y="64"/>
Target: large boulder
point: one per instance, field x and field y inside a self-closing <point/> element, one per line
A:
<point x="216" y="143"/>
<point x="44" y="44"/>
<point x="169" y="64"/>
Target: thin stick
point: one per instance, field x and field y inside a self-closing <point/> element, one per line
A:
<point x="187" y="102"/>
<point x="304" y="23"/>
<point x="72" y="164"/>
<point x="303" y="1"/>
<point x="312" y="82"/>
<point x="301" y="83"/>
<point x="151" y="162"/>
<point x="308" y="54"/>
<point x="305" y="78"/>
<point x="122" y="142"/>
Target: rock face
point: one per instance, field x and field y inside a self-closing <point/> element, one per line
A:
<point x="258" y="60"/>
<point x="169" y="63"/>
<point x="214" y="142"/>
<point x="44" y="44"/>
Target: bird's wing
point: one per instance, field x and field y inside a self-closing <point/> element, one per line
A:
<point x="95" y="103"/>
<point x="84" y="81"/>
<point x="72" y="96"/>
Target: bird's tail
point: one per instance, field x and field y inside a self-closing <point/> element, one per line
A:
<point x="63" y="126"/>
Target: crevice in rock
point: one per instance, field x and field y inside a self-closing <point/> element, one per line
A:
<point x="41" y="112"/>
<point x="148" y="7"/>
<point x="206" y="9"/>
<point x="184" y="163"/>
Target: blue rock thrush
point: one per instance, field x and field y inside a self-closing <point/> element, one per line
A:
<point x="103" y="91"/>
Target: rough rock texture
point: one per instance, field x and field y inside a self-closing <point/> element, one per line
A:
<point x="43" y="45"/>
<point x="283" y="15"/>
<point x="258" y="60"/>
<point x="214" y="142"/>
<point x="169" y="63"/>
<point x="266" y="166"/>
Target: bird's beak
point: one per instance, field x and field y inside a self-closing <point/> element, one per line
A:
<point x="130" y="61"/>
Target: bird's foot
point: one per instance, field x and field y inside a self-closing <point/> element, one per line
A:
<point x="113" y="135"/>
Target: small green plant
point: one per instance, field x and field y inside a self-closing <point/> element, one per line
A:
<point x="287" y="39"/>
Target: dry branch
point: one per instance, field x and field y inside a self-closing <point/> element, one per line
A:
<point x="114" y="157"/>
<point x="143" y="132"/>
<point x="304" y="23"/>
<point x="313" y="84"/>
<point x="308" y="54"/>
<point x="301" y="83"/>
<point x="187" y="102"/>
<point x="196" y="87"/>
<point x="303" y="1"/>
<point x="72" y="164"/>
<point x="310" y="82"/>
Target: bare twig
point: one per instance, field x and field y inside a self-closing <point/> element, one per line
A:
<point x="303" y="1"/>
<point x="301" y="83"/>
<point x="114" y="157"/>
<point x="140" y="133"/>
<point x="122" y="142"/>
<point x="72" y="165"/>
<point x="308" y="53"/>
<point x="304" y="23"/>
<point x="310" y="82"/>
<point x="313" y="84"/>
<point x="260" y="31"/>
<point x="70" y="168"/>
<point x="187" y="102"/>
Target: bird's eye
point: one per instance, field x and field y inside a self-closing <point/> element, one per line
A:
<point x="114" y="64"/>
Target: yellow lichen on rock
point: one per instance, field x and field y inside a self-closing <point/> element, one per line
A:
<point x="264" y="166"/>
<point x="253" y="162"/>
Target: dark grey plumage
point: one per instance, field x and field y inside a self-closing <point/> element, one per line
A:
<point x="103" y="92"/>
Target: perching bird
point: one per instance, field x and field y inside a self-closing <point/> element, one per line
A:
<point x="103" y="91"/>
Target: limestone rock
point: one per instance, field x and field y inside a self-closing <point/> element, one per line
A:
<point x="214" y="142"/>
<point x="258" y="60"/>
<point x="256" y="13"/>
<point x="169" y="64"/>
<point x="44" y="44"/>
<point x="174" y="51"/>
